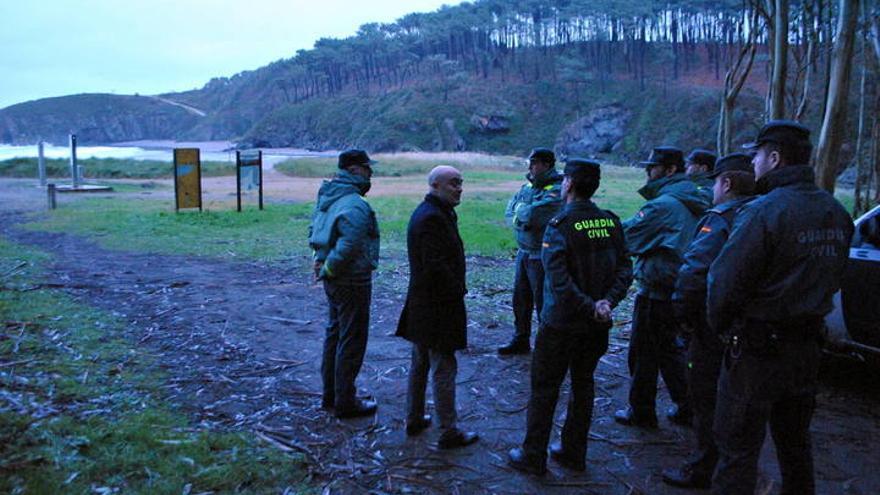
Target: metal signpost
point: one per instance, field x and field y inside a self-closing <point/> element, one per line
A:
<point x="74" y="169"/>
<point x="187" y="178"/>
<point x="41" y="163"/>
<point x="249" y="162"/>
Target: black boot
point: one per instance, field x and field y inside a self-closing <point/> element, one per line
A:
<point x="680" y="415"/>
<point x="684" y="477"/>
<point x="418" y="426"/>
<point x="361" y="407"/>
<point x="565" y="460"/>
<point x="515" y="347"/>
<point x="453" y="439"/>
<point x="628" y="417"/>
<point x="516" y="458"/>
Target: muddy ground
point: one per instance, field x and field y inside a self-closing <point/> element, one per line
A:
<point x="241" y="344"/>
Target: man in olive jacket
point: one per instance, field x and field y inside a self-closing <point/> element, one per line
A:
<point x="657" y="236"/>
<point x="434" y="317"/>
<point x="345" y="238"/>
<point x="528" y="213"/>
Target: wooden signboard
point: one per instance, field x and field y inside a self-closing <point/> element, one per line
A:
<point x="249" y="172"/>
<point x="187" y="178"/>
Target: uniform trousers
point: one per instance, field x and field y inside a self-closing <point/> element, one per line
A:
<point x="528" y="294"/>
<point x="557" y="353"/>
<point x="760" y="386"/>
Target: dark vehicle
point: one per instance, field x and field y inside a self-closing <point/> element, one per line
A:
<point x="853" y="326"/>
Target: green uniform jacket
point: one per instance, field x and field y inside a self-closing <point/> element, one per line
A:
<point x="659" y="233"/>
<point x="704" y="185"/>
<point x="344" y="233"/>
<point x="530" y="209"/>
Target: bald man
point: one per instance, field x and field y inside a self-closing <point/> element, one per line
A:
<point x="434" y="318"/>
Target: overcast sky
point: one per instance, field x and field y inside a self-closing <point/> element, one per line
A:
<point x="61" y="47"/>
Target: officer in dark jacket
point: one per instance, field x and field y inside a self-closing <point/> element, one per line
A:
<point x="769" y="290"/>
<point x="733" y="187"/>
<point x="434" y="317"/>
<point x="699" y="165"/>
<point x="587" y="274"/>
<point x="657" y="236"/>
<point x="528" y="213"/>
<point x="344" y="235"/>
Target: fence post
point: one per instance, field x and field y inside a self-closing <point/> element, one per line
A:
<point x="50" y="193"/>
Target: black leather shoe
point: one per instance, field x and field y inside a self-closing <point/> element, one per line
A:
<point x="327" y="404"/>
<point x="514" y="348"/>
<point x="627" y="417"/>
<point x="418" y="426"/>
<point x="684" y="477"/>
<point x="454" y="439"/>
<point x="680" y="415"/>
<point x="361" y="407"/>
<point x="565" y="460"/>
<point x="516" y="458"/>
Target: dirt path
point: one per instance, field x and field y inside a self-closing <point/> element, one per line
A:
<point x="241" y="344"/>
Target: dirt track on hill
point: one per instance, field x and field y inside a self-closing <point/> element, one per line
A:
<point x="241" y="344"/>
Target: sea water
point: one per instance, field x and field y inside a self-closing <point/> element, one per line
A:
<point x="131" y="152"/>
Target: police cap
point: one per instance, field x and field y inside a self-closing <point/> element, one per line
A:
<point x="355" y="157"/>
<point x="787" y="133"/>
<point x="665" y="156"/>
<point x="582" y="167"/>
<point x="702" y="157"/>
<point x="545" y="155"/>
<point x="734" y="162"/>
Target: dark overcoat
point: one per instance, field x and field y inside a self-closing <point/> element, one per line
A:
<point x="434" y="314"/>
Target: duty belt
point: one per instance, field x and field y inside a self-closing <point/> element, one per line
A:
<point x="766" y="336"/>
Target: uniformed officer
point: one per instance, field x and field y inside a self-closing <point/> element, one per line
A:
<point x="769" y="290"/>
<point x="734" y="186"/>
<point x="698" y="166"/>
<point x="587" y="274"/>
<point x="528" y="213"/>
<point x="658" y="236"/>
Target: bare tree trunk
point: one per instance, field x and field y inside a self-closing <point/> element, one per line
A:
<point x="780" y="60"/>
<point x="833" y="125"/>
<point x="861" y="203"/>
<point x="733" y="82"/>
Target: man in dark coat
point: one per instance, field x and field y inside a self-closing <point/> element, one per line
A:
<point x="657" y="236"/>
<point x="769" y="290"/>
<point x="587" y="273"/>
<point x="733" y="187"/>
<point x="434" y="318"/>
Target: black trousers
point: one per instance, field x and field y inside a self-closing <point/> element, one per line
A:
<point x="757" y="388"/>
<point x="704" y="366"/>
<point x="558" y="352"/>
<point x="528" y="294"/>
<point x="655" y="347"/>
<point x="345" y="341"/>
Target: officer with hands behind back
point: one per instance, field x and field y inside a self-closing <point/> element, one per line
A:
<point x="587" y="274"/>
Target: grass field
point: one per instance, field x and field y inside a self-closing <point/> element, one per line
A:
<point x="83" y="413"/>
<point x="107" y="168"/>
<point x="280" y="230"/>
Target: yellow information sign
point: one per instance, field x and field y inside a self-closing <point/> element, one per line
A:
<point x="187" y="178"/>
